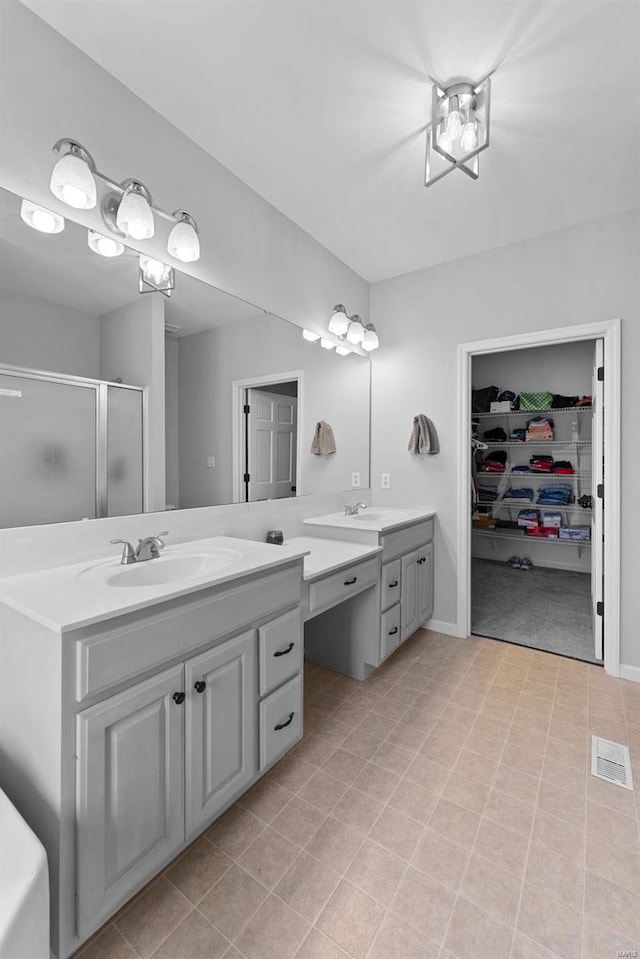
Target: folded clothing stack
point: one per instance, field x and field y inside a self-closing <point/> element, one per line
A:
<point x="541" y="464"/>
<point x="556" y="494"/>
<point x="487" y="494"/>
<point x="561" y="402"/>
<point x="579" y="533"/>
<point x="563" y="467"/>
<point x="520" y="469"/>
<point x="496" y="435"/>
<point x="552" y="520"/>
<point x="518" y="435"/>
<point x="542" y="532"/>
<point x="494" y="462"/>
<point x="529" y="518"/>
<point x="540" y="400"/>
<point x="521" y="494"/>
<point x="539" y="430"/>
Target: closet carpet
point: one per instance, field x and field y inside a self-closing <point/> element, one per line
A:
<point x="443" y="809"/>
<point x="547" y="609"/>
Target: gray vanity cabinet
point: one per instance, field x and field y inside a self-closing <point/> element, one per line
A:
<point x="221" y="726"/>
<point x="130" y="791"/>
<point x="417" y="589"/>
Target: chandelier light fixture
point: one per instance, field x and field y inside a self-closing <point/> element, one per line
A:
<point x="459" y="128"/>
<point x="127" y="209"/>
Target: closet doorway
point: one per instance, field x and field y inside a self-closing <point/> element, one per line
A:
<point x="541" y="539"/>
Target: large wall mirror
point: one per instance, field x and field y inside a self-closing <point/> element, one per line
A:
<point x="115" y="401"/>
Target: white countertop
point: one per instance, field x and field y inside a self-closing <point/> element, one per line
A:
<point x="67" y="597"/>
<point x="374" y="518"/>
<point x="323" y="556"/>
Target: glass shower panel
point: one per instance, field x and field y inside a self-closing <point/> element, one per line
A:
<point x="47" y="451"/>
<point x="124" y="451"/>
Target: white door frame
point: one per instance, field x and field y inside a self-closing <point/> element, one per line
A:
<point x="609" y="331"/>
<point x="237" y="424"/>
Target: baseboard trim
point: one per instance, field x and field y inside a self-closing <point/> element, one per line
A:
<point x="632" y="673"/>
<point x="441" y="626"/>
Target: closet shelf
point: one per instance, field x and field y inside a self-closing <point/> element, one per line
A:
<point x="513" y="535"/>
<point x="524" y="444"/>
<point x="532" y="413"/>
<point x="541" y="507"/>
<point x="548" y="477"/>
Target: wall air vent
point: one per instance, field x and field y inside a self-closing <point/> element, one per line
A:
<point x="611" y="762"/>
<point x="171" y="328"/>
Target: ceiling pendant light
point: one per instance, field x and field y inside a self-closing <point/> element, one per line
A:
<point x="38" y="218"/>
<point x="355" y="333"/>
<point x="72" y="178"/>
<point x="183" y="240"/>
<point x="459" y="128"/>
<point x="104" y="245"/>
<point x="339" y="322"/>
<point x="135" y="215"/>
<point x="370" y="340"/>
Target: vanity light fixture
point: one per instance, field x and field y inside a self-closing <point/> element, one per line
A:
<point x="104" y="245"/>
<point x="343" y="350"/>
<point x="310" y="336"/>
<point x="459" y="128"/>
<point x="326" y="344"/>
<point x="38" y="218"/>
<point x="127" y="209"/>
<point x="156" y="276"/>
<point x="339" y="322"/>
<point x="355" y="332"/>
<point x="370" y="340"/>
<point x="72" y="178"/>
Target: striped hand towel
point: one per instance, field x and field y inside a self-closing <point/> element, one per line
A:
<point x="424" y="438"/>
<point x="323" y="440"/>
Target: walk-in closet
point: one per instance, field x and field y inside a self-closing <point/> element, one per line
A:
<point x="537" y="524"/>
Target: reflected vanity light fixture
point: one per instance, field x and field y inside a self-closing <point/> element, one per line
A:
<point x="310" y="336"/>
<point x="343" y="350"/>
<point x="326" y="344"/>
<point x="127" y="209"/>
<point x="459" y="128"/>
<point x="38" y="218"/>
<point x="104" y="245"/>
<point x="156" y="276"/>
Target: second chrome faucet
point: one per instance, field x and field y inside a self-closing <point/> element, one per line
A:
<point x="147" y="548"/>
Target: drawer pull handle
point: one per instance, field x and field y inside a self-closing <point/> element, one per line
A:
<point x="393" y="631"/>
<point x="283" y="652"/>
<point x="178" y="698"/>
<point x="422" y="560"/>
<point x="350" y="582"/>
<point x="395" y="583"/>
<point x="286" y="723"/>
<point x="200" y="686"/>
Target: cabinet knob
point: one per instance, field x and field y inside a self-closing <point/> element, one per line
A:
<point x="200" y="686"/>
<point x="178" y="698"/>
<point x="286" y="723"/>
<point x="283" y="652"/>
<point x="350" y="582"/>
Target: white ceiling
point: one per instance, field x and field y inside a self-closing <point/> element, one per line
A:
<point x="320" y="107"/>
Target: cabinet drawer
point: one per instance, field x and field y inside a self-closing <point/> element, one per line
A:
<point x="280" y="721"/>
<point x="390" y="631"/>
<point x="333" y="589"/>
<point x="390" y="585"/>
<point x="140" y="641"/>
<point x="281" y="645"/>
<point x="406" y="539"/>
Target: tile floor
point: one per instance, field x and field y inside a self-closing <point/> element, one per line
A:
<point x="441" y="810"/>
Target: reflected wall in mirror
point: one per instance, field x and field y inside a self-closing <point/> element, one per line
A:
<point x="227" y="403"/>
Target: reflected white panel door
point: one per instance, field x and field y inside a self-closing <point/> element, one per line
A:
<point x="48" y="443"/>
<point x="272" y="422"/>
<point x="598" y="479"/>
<point x="130" y="792"/>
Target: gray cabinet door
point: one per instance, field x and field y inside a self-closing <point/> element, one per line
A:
<point x="221" y="717"/>
<point x="130" y="792"/>
<point x="409" y="621"/>
<point x="425" y="583"/>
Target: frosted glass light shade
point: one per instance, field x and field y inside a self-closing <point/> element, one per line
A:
<point x="155" y="272"/>
<point x="326" y="344"/>
<point x="310" y="336"/>
<point x="342" y="350"/>
<point x="135" y="216"/>
<point x="339" y="322"/>
<point x="355" y="333"/>
<point x="370" y="341"/>
<point x="183" y="240"/>
<point x="38" y="218"/>
<point x="72" y="182"/>
<point x="104" y="245"/>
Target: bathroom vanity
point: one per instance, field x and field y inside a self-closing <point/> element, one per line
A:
<point x="140" y="712"/>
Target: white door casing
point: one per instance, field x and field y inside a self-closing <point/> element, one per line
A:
<point x="597" y="479"/>
<point x="271" y="444"/>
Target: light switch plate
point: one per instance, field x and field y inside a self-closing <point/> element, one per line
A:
<point x="211" y="462"/>
<point x="385" y="480"/>
<point x="355" y="480"/>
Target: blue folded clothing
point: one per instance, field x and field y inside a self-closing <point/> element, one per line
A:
<point x="520" y="469"/>
<point x="580" y="533"/>
<point x="556" y="494"/>
<point x="521" y="494"/>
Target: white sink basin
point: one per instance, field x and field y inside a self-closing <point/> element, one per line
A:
<point x="381" y="516"/>
<point x="176" y="567"/>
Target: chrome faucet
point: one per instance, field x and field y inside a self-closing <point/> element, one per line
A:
<point x="147" y="548"/>
<point x="353" y="510"/>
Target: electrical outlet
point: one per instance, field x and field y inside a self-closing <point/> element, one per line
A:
<point x="385" y="480"/>
<point x="355" y="480"/>
<point x="211" y="462"/>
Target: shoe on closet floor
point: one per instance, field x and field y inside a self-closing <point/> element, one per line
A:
<point x="514" y="562"/>
<point x="525" y="563"/>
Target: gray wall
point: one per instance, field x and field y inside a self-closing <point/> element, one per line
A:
<point x="574" y="276"/>
<point x="48" y="336"/>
